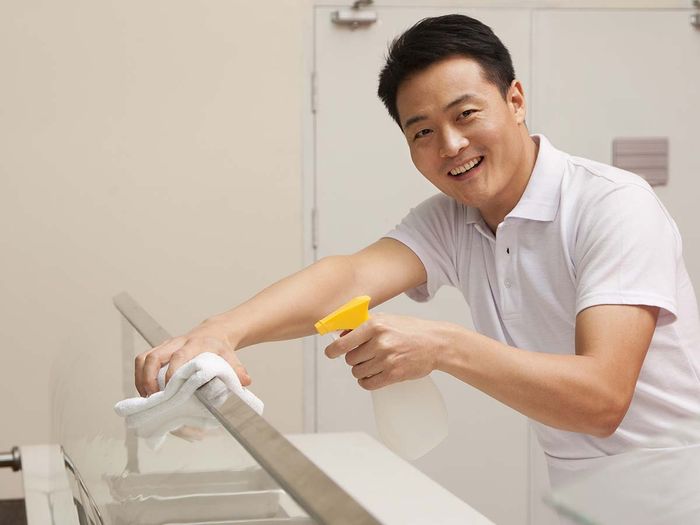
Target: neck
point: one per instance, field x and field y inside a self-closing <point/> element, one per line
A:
<point x="494" y="215"/>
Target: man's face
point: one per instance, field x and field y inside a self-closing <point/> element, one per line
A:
<point x="463" y="136"/>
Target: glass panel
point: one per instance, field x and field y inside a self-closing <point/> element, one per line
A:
<point x="185" y="471"/>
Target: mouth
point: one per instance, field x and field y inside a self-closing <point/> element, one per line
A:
<point x="466" y="170"/>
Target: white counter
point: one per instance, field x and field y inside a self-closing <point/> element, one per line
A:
<point x="390" y="488"/>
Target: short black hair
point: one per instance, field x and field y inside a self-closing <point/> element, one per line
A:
<point x="434" y="39"/>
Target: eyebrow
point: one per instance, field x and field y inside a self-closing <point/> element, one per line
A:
<point x="459" y="100"/>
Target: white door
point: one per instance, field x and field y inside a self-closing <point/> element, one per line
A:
<point x="601" y="74"/>
<point x="365" y="184"/>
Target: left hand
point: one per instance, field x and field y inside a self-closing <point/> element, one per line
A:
<point x="390" y="348"/>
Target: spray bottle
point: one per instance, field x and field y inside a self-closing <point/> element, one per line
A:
<point x="411" y="416"/>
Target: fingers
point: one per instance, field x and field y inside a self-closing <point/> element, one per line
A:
<point x="337" y="348"/>
<point x="350" y="340"/>
<point x="192" y="348"/>
<point x="148" y="364"/>
<point x="367" y="369"/>
<point x="375" y="382"/>
<point x="189" y="433"/>
<point x="240" y="370"/>
<point x="359" y="355"/>
<point x="242" y="374"/>
<point x="177" y="352"/>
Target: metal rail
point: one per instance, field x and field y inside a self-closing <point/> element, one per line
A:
<point x="311" y="488"/>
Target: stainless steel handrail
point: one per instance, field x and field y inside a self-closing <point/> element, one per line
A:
<point x="311" y="488"/>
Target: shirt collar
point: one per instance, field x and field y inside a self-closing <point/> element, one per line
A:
<point x="473" y="215"/>
<point x="540" y="200"/>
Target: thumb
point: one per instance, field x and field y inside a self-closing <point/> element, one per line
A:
<point x="238" y="368"/>
<point x="242" y="374"/>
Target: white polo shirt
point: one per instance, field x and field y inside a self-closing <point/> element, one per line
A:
<point x="582" y="234"/>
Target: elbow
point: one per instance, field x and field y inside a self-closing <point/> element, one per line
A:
<point x="605" y="428"/>
<point x="608" y="418"/>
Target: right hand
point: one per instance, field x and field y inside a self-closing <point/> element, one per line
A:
<point x="210" y="336"/>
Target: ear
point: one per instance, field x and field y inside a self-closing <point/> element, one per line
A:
<point x="516" y="101"/>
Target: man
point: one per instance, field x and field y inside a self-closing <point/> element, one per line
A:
<point x="586" y="320"/>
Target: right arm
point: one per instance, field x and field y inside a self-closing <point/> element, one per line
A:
<point x="289" y="308"/>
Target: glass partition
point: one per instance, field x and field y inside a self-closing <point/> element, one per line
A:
<point x="221" y="465"/>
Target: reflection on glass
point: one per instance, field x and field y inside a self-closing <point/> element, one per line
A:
<point x="193" y="474"/>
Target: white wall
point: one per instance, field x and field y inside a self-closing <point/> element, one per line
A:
<point x="152" y="147"/>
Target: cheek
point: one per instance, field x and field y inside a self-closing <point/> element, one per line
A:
<point x="491" y="131"/>
<point x="420" y="161"/>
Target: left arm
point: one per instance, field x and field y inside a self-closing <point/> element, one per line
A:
<point x="588" y="392"/>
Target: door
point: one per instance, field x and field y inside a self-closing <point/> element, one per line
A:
<point x="365" y="184"/>
<point x="602" y="74"/>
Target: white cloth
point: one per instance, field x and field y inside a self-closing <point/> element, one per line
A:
<point x="582" y="234"/>
<point x="170" y="408"/>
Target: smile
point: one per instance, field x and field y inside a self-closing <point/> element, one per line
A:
<point x="466" y="167"/>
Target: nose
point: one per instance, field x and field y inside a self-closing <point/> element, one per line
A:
<point x="452" y="142"/>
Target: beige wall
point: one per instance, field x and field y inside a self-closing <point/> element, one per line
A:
<point x="152" y="147"/>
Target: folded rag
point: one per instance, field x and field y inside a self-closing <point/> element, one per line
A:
<point x="172" y="407"/>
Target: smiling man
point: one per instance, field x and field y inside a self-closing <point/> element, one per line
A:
<point x="586" y="320"/>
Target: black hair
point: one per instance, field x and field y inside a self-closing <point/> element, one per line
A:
<point x="434" y="39"/>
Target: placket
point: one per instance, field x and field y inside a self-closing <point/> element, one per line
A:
<point x="506" y="254"/>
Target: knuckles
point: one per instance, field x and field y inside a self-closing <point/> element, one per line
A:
<point x="351" y="358"/>
<point x="139" y="360"/>
<point x="369" y="383"/>
<point x="335" y="349"/>
<point x="378" y="323"/>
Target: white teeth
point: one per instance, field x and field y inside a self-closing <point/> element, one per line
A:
<point x="469" y="165"/>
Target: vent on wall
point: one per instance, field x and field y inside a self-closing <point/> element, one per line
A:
<point x="647" y="157"/>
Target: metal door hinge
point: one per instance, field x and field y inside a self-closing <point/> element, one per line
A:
<point x="356" y="16"/>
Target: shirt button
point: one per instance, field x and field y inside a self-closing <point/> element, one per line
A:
<point x="507" y="283"/>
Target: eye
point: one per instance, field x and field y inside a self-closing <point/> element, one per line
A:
<point x="422" y="133"/>
<point x="467" y="113"/>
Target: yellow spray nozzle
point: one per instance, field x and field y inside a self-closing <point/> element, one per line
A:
<point x="348" y="317"/>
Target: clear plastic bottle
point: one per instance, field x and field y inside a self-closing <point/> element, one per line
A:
<point x="411" y="417"/>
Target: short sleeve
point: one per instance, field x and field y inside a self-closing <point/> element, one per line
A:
<point x="627" y="251"/>
<point x="429" y="231"/>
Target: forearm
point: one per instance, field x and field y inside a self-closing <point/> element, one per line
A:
<point x="569" y="392"/>
<point x="289" y="308"/>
